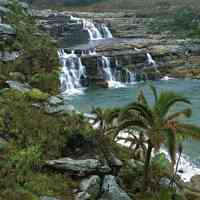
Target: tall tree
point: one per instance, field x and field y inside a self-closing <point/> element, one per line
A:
<point x="159" y="122"/>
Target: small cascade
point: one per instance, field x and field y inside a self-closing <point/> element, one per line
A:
<point x="106" y="32"/>
<point x="114" y="76"/>
<point x="150" y="60"/>
<point x="92" y="52"/>
<point x="72" y="72"/>
<point x="93" y="31"/>
<point x="130" y="77"/>
<point x="107" y="69"/>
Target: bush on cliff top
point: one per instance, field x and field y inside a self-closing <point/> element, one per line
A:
<point x="38" y="51"/>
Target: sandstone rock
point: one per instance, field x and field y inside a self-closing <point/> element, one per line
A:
<point x="4" y="2"/>
<point x="19" y="86"/>
<point x="112" y="191"/>
<point x="79" y="167"/>
<point x="8" y="56"/>
<point x="89" y="188"/>
<point x="53" y="109"/>
<point x="54" y="100"/>
<point x="6" y="29"/>
<point x="3" y="11"/>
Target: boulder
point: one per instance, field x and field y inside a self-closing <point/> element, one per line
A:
<point x="79" y="167"/>
<point x="8" y="56"/>
<point x="89" y="188"/>
<point x="112" y="191"/>
<point x="4" y="2"/>
<point x="6" y="29"/>
<point x="53" y="109"/>
<point x="3" y="11"/>
<point x="19" y="86"/>
<point x="54" y="100"/>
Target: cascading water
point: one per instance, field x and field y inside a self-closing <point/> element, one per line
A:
<point x="72" y="72"/>
<point x="150" y="60"/>
<point x="130" y="77"/>
<point x="106" y="32"/>
<point x="93" y="31"/>
<point x="113" y="76"/>
<point x="107" y="69"/>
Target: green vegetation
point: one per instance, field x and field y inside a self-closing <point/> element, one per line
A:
<point x="158" y="124"/>
<point x="34" y="137"/>
<point x="183" y="22"/>
<point x="38" y="61"/>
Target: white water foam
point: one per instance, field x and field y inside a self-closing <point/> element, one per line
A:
<point x="150" y="60"/>
<point x="167" y="78"/>
<point x="93" y="31"/>
<point x="109" y="74"/>
<point x="71" y="73"/>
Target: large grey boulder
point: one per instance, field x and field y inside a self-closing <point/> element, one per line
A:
<point x="6" y="29"/>
<point x="54" y="100"/>
<point x="65" y="108"/>
<point x="112" y="191"/>
<point x="89" y="188"/>
<point x="19" y="86"/>
<point x="8" y="56"/>
<point x="79" y="167"/>
<point x="3" y="11"/>
<point x="4" y="2"/>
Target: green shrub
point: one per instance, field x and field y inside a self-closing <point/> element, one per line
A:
<point x="37" y="95"/>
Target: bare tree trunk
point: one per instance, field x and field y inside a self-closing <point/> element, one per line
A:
<point x="146" y="165"/>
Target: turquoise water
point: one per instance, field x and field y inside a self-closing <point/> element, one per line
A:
<point x="108" y="98"/>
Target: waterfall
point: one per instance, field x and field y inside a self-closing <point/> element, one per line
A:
<point x="150" y="60"/>
<point x="106" y="32"/>
<point x="72" y="72"/>
<point x="93" y="31"/>
<point x="130" y="77"/>
<point x="114" y="76"/>
<point x="107" y="69"/>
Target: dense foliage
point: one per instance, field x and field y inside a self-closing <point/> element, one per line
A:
<point x="34" y="137"/>
<point x="38" y="58"/>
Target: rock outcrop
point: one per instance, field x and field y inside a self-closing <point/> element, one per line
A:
<point x="79" y="167"/>
<point x="112" y="191"/>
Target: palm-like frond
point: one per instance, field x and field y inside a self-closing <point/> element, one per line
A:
<point x="142" y="99"/>
<point x="170" y="142"/>
<point x="155" y="93"/>
<point x="188" y="130"/>
<point x="142" y="110"/>
<point x="165" y="101"/>
<point x="184" y="113"/>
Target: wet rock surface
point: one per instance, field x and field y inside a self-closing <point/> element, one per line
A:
<point x="89" y="188"/>
<point x="79" y="167"/>
<point x="112" y="191"/>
